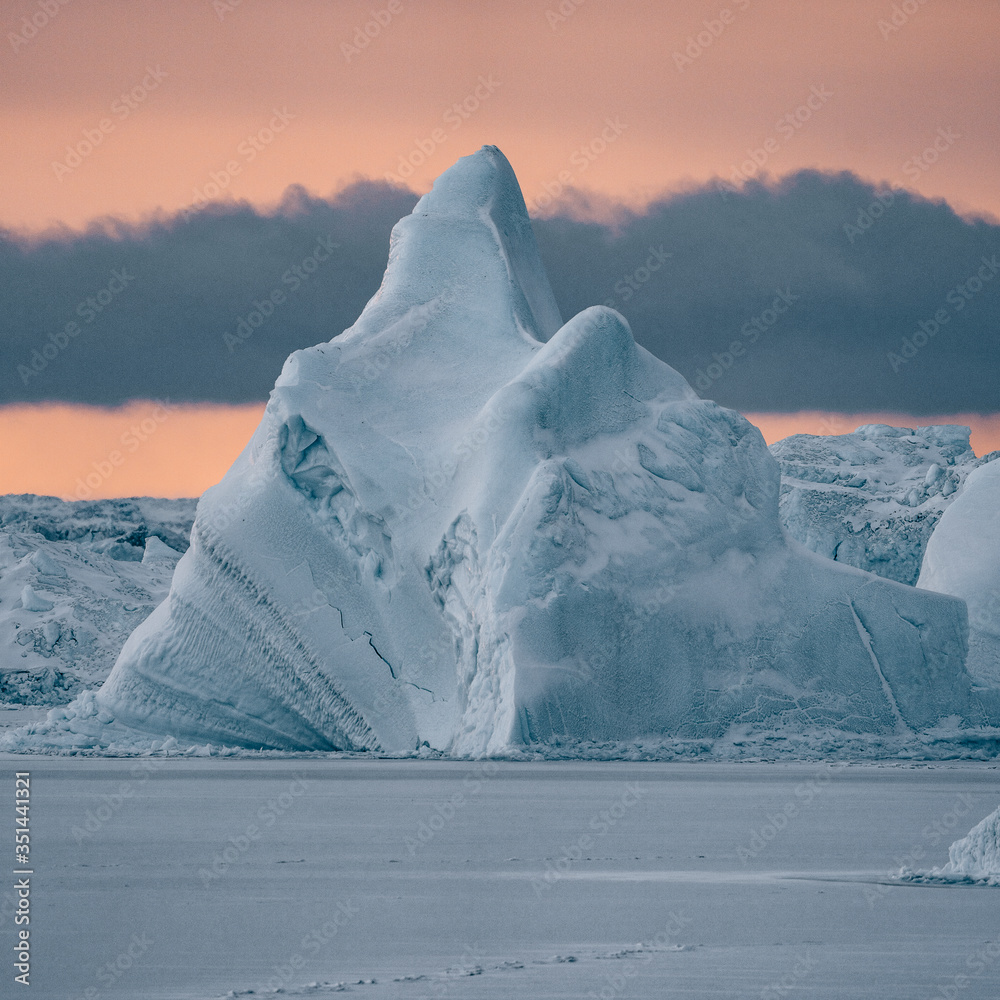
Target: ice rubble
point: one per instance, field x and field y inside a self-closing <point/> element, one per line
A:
<point x="465" y="525"/>
<point x="973" y="859"/>
<point x="73" y="587"/>
<point x="976" y="856"/>
<point x="963" y="559"/>
<point x="871" y="499"/>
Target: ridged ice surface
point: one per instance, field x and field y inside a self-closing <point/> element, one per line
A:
<point x="871" y="498"/>
<point x="467" y="524"/>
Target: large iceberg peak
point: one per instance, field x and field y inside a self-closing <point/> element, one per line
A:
<point x="482" y="189"/>
<point x="468" y="248"/>
<point x="465" y="524"/>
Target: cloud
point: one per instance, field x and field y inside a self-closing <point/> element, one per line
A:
<point x="168" y="334"/>
<point x="817" y="291"/>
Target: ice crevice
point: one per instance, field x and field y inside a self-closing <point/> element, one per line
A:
<point x="866" y="639"/>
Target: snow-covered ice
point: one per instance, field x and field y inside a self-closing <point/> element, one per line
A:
<point x="156" y="550"/>
<point x="963" y="559"/>
<point x="466" y="524"/>
<point x="73" y="586"/>
<point x="31" y="600"/>
<point x="871" y="498"/>
<point x="492" y="881"/>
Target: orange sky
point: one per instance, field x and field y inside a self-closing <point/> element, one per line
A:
<point x="178" y="451"/>
<point x="219" y="77"/>
<point x="172" y="95"/>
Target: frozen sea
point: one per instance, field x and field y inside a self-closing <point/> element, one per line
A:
<point x="203" y="878"/>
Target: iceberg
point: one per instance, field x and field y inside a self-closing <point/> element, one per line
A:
<point x="466" y="525"/>
<point x="963" y="559"/>
<point x="976" y="856"/>
<point x="974" y="859"/>
<point x="871" y="498"/>
<point x="74" y="584"/>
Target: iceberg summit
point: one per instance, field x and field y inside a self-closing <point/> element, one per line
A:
<point x="467" y="525"/>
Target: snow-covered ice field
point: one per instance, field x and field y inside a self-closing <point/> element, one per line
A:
<point x="500" y="879"/>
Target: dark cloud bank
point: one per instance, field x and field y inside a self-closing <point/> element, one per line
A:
<point x="819" y="291"/>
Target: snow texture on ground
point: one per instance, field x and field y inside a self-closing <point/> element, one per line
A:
<point x="197" y="880"/>
<point x="466" y="525"/>
<point x="871" y="499"/>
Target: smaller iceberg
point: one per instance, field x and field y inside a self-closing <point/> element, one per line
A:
<point x="963" y="559"/>
<point x="973" y="860"/>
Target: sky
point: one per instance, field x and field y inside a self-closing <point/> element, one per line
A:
<point x="837" y="159"/>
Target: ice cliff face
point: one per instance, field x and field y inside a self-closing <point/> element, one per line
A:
<point x="963" y="559"/>
<point x="872" y="498"/>
<point x="465" y="523"/>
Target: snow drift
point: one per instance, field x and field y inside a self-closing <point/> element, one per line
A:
<point x="963" y="559"/>
<point x="871" y="499"/>
<point x="468" y="525"/>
